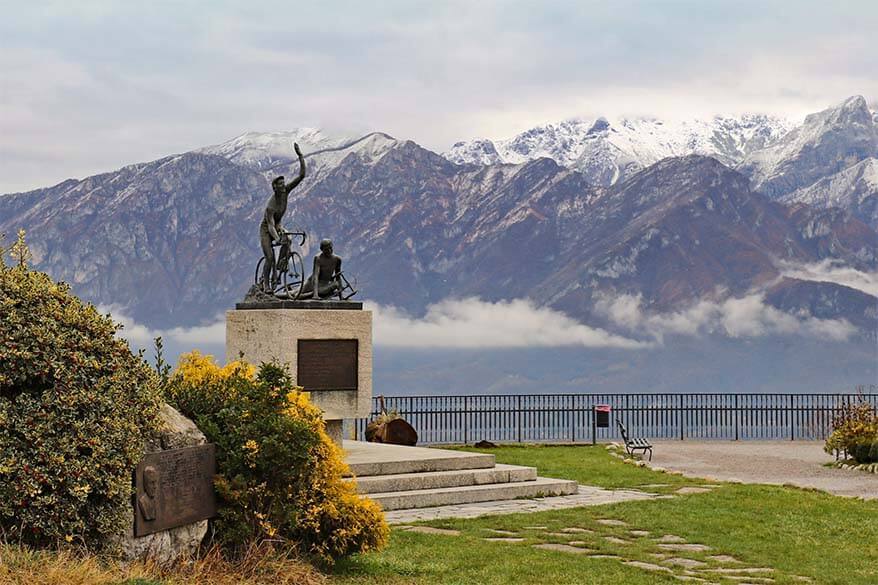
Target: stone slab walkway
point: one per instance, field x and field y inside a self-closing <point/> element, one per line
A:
<point x="798" y="463"/>
<point x="619" y="541"/>
<point x="587" y="496"/>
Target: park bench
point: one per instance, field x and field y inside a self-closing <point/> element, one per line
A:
<point x="632" y="445"/>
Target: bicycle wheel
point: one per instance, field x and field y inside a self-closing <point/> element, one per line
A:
<point x="258" y="276"/>
<point x="294" y="276"/>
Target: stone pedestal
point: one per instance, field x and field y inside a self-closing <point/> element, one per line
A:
<point x="266" y="334"/>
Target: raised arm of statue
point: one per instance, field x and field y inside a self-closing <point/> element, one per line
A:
<point x="295" y="182"/>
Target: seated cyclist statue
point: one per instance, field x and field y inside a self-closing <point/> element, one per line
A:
<point x="326" y="274"/>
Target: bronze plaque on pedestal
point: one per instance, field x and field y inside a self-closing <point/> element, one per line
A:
<point x="174" y="488"/>
<point x="327" y="364"/>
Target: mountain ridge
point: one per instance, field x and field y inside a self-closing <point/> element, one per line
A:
<point x="173" y="242"/>
<point x="811" y="162"/>
<point x="610" y="150"/>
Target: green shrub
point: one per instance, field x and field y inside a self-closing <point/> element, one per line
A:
<point x="855" y="431"/>
<point x="75" y="405"/>
<point x="280" y="475"/>
<point x="864" y="452"/>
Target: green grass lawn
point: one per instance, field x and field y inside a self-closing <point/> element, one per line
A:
<point x="586" y="464"/>
<point x="802" y="535"/>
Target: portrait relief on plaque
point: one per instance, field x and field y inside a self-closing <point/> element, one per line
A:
<point x="146" y="501"/>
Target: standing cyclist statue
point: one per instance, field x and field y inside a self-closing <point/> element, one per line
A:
<point x="270" y="230"/>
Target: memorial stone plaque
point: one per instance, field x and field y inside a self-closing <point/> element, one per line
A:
<point x="174" y="488"/>
<point x="327" y="364"/>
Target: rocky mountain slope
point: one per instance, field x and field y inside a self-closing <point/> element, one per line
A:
<point x="174" y="242"/>
<point x="854" y="188"/>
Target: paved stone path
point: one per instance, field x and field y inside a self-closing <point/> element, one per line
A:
<point x="587" y="496"/>
<point x="798" y="463"/>
<point x="611" y="539"/>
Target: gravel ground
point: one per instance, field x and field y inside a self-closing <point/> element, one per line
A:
<point x="798" y="463"/>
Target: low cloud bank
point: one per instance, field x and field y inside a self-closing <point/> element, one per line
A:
<point x="833" y="271"/>
<point x="473" y="323"/>
<point x="743" y="317"/>
<point x="465" y="323"/>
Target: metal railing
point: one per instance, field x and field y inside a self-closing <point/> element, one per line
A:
<point x="570" y="418"/>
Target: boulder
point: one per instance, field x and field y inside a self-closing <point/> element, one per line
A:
<point x="167" y="546"/>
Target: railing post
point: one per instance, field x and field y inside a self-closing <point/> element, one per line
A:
<point x="594" y="427"/>
<point x="572" y="418"/>
<point x="519" y="418"/>
<point x="737" y="416"/>
<point x="681" y="417"/>
<point x="792" y="420"/>
<point x="466" y="420"/>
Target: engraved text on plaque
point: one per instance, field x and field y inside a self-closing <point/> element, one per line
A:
<point x="327" y="364"/>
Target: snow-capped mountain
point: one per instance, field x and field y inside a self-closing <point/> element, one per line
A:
<point x="828" y="161"/>
<point x="262" y="150"/>
<point x="609" y="150"/>
<point x="271" y="153"/>
<point x="826" y="143"/>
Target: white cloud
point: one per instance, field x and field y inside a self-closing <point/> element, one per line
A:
<point x="743" y="317"/>
<point x="140" y="335"/>
<point x="466" y="323"/>
<point x="473" y="323"/>
<point x="830" y="270"/>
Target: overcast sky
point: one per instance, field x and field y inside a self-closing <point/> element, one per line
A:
<point x="87" y="87"/>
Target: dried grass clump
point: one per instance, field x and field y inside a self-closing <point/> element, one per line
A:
<point x="260" y="565"/>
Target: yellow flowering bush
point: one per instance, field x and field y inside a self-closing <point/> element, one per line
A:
<point x="855" y="431"/>
<point x="202" y="385"/>
<point x="75" y="405"/>
<point x="280" y="475"/>
<point x="198" y="369"/>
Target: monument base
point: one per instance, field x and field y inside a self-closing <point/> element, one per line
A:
<point x="334" y="428"/>
<point x="335" y="347"/>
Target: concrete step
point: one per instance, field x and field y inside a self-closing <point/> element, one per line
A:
<point x="541" y="486"/>
<point x="444" y="479"/>
<point x="370" y="459"/>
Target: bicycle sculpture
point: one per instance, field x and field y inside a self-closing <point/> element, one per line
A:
<point x="280" y="273"/>
<point x="287" y="276"/>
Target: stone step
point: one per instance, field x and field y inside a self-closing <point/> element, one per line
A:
<point x="541" y="486"/>
<point x="370" y="459"/>
<point x="444" y="479"/>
